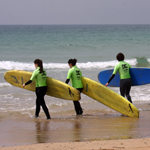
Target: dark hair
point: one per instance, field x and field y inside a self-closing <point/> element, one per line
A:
<point x="40" y="64"/>
<point x="72" y="61"/>
<point x="120" y="57"/>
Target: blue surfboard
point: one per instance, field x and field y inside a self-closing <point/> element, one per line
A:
<point x="139" y="76"/>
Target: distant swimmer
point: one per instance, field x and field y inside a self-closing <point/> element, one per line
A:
<point x="125" y="78"/>
<point x="39" y="75"/>
<point x="75" y="75"/>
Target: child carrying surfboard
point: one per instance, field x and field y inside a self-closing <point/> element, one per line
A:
<point x="125" y="78"/>
<point x="75" y="75"/>
<point x="39" y="75"/>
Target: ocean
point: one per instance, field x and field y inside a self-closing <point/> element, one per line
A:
<point x="94" y="46"/>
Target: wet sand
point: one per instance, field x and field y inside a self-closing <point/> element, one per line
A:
<point x="66" y="127"/>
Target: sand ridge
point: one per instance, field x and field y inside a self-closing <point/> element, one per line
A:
<point x="128" y="144"/>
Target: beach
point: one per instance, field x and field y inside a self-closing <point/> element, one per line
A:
<point x="95" y="47"/>
<point x="138" y="144"/>
<point x="94" y="128"/>
<point x="58" y="37"/>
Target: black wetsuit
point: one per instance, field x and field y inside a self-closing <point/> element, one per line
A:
<point x="125" y="86"/>
<point x="40" y="93"/>
<point x="77" y="105"/>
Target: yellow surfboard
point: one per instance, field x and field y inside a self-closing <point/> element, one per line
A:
<point x="108" y="97"/>
<point x="55" y="87"/>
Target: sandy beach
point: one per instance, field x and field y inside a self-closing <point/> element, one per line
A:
<point x="93" y="130"/>
<point x="130" y="144"/>
<point x="93" y="32"/>
<point x="95" y="47"/>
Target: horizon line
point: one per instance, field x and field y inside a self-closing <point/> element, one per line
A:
<point x="75" y="24"/>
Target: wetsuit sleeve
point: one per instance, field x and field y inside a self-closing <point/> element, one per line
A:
<point x="114" y="73"/>
<point x="116" y="69"/>
<point x="81" y="73"/>
<point x="130" y="66"/>
<point x="67" y="81"/>
<point x="69" y="74"/>
<point x="28" y="82"/>
<point x="34" y="74"/>
<point x="112" y="76"/>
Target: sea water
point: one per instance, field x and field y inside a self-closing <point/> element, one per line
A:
<point x="95" y="47"/>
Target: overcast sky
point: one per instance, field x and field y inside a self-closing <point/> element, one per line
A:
<point x="74" y="12"/>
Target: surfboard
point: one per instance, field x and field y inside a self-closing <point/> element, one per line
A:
<point x="55" y="87"/>
<point x="108" y="97"/>
<point x="139" y="76"/>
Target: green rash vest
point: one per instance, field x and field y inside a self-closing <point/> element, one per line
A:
<point x="75" y="75"/>
<point x="124" y="70"/>
<point x="40" y="78"/>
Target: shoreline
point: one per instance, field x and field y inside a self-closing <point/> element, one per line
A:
<point x="68" y="130"/>
<point x="127" y="144"/>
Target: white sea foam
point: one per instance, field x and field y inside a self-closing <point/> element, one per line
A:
<point x="10" y="65"/>
<point x="5" y="85"/>
<point x="104" y="64"/>
<point x="148" y="60"/>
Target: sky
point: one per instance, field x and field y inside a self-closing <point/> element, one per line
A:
<point x="74" y="12"/>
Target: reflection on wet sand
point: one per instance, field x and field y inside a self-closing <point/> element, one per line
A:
<point x="42" y="130"/>
<point x="84" y="128"/>
<point x="77" y="130"/>
<point x="70" y="128"/>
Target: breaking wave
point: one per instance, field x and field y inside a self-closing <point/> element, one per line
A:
<point x="10" y="65"/>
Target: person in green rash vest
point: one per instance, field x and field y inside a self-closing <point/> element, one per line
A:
<point x="125" y="78"/>
<point x="40" y="77"/>
<point x="75" y="75"/>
